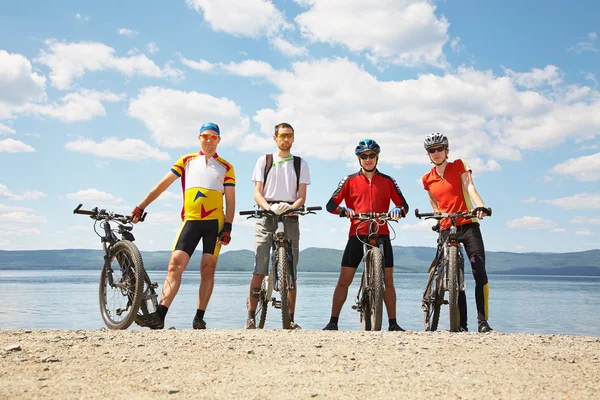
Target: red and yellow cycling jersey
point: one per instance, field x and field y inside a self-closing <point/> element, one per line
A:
<point x="203" y="183"/>
<point x="449" y="192"/>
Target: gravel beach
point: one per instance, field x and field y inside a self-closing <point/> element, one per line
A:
<point x="224" y="364"/>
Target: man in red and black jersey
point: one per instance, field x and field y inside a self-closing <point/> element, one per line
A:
<point x="366" y="191"/>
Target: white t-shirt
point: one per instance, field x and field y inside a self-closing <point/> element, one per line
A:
<point x="281" y="180"/>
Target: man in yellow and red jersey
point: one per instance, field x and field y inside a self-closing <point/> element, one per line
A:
<point x="205" y="179"/>
<point x="451" y="189"/>
<point x="367" y="190"/>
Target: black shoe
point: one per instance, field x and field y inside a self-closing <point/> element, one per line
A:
<point x="152" y="321"/>
<point x="395" y="327"/>
<point x="332" y="326"/>
<point x="462" y="329"/>
<point x="484" y="327"/>
<point x="198" y="324"/>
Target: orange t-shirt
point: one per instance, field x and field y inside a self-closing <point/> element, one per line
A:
<point x="448" y="191"/>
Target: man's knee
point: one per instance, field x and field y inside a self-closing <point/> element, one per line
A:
<point x="478" y="268"/>
<point x="208" y="267"/>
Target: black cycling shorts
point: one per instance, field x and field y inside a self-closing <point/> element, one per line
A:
<point x="192" y="231"/>
<point x="354" y="252"/>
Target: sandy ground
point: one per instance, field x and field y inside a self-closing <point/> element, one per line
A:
<point x="273" y="364"/>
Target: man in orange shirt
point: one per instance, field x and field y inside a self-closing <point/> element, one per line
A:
<point x="451" y="189"/>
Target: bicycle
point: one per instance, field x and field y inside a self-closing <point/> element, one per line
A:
<point x="281" y="277"/>
<point x="125" y="289"/>
<point x="446" y="274"/>
<point x="369" y="300"/>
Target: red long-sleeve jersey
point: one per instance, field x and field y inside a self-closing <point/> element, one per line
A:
<point x="363" y="196"/>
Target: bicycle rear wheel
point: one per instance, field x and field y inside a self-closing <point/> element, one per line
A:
<point x="283" y="265"/>
<point x="261" y="307"/>
<point x="432" y="302"/>
<point x="453" y="287"/>
<point x="120" y="301"/>
<point x="375" y="284"/>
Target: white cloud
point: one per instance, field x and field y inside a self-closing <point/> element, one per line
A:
<point x="558" y="230"/>
<point x="14" y="146"/>
<point x="581" y="201"/>
<point x="152" y="48"/>
<point x="21" y="218"/>
<point x="76" y="106"/>
<point x="249" y="18"/>
<point x="585" y="220"/>
<point x="9" y="209"/>
<point x="252" y="18"/>
<point x="18" y="82"/>
<point x="455" y="45"/>
<point x="586" y="45"/>
<point x="18" y="230"/>
<point x="127" y="32"/>
<point x="126" y="149"/>
<point x="585" y="169"/>
<point x="551" y="75"/>
<point x="584" y="233"/>
<point x="424" y="225"/>
<point x="535" y="223"/>
<point x="6" y="130"/>
<point x="166" y="195"/>
<point x="94" y="196"/>
<point x="174" y="117"/>
<point x="81" y="17"/>
<point x="520" y="247"/>
<point x="398" y="31"/>
<point x="201" y="65"/>
<point x="488" y="118"/>
<point x="70" y="61"/>
<point x="529" y="200"/>
<point x="29" y="195"/>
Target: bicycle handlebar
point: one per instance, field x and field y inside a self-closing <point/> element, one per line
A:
<point x="460" y="214"/>
<point x="97" y="214"/>
<point x="301" y="210"/>
<point x="374" y="216"/>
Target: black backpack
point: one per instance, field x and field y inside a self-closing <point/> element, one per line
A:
<point x="269" y="164"/>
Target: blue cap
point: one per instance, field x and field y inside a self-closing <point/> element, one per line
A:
<point x="210" y="126"/>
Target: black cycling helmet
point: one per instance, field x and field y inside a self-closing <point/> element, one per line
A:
<point x="366" y="145"/>
<point x="435" y="139"/>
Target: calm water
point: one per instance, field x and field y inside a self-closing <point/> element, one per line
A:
<point x="533" y="304"/>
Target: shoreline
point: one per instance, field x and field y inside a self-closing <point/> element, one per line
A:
<point x="221" y="363"/>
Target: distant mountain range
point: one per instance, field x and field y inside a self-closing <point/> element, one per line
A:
<point x="406" y="259"/>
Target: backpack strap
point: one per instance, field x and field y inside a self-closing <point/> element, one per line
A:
<point x="268" y="165"/>
<point x="297" y="165"/>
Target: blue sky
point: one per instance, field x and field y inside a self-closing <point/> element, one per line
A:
<point x="98" y="100"/>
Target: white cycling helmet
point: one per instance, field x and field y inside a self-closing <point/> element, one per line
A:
<point x="435" y="139"/>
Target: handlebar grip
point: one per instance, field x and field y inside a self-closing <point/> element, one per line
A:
<point x="488" y="210"/>
<point x="247" y="212"/>
<point x="417" y="212"/>
<point x="77" y="209"/>
<point x="143" y="217"/>
<point x="317" y="208"/>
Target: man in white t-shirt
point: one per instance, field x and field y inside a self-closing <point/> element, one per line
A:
<point x="281" y="191"/>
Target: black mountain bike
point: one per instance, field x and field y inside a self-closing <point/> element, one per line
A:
<point x="446" y="273"/>
<point x="125" y="288"/>
<point x="369" y="300"/>
<point x="281" y="277"/>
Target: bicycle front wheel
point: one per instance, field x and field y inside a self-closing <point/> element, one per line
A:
<point x="119" y="301"/>
<point x="375" y="284"/>
<point x="432" y="301"/>
<point x="283" y="265"/>
<point x="453" y="287"/>
<point x="261" y="307"/>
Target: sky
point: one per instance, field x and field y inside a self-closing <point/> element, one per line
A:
<point x="99" y="99"/>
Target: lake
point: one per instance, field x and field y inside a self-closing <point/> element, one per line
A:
<point x="61" y="299"/>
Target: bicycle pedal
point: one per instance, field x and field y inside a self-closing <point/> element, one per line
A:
<point x="154" y="285"/>
<point x="357" y="308"/>
<point x="276" y="304"/>
<point x="445" y="302"/>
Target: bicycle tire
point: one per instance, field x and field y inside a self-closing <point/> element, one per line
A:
<point x="261" y="307"/>
<point x="365" y="304"/>
<point x="453" y="287"/>
<point x="432" y="302"/>
<point x="376" y="277"/>
<point x="127" y="273"/>
<point x="283" y="265"/>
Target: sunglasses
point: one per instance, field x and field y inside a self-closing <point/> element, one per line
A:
<point x="285" y="135"/>
<point x="436" y="149"/>
<point x="211" y="137"/>
<point x="366" y="156"/>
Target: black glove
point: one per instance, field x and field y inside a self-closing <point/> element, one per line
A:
<point x="225" y="234"/>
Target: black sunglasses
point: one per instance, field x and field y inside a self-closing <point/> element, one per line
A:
<point x="436" y="149"/>
<point x="370" y="155"/>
